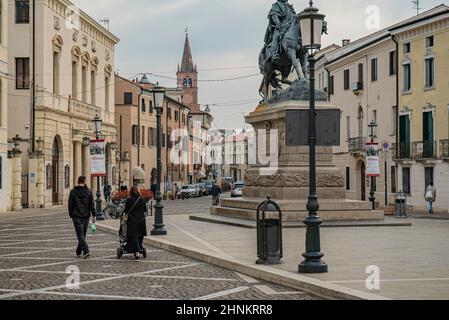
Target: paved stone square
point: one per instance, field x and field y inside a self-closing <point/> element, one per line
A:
<point x="38" y="246"/>
<point x="413" y="261"/>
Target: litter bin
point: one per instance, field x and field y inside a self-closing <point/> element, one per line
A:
<point x="400" y="205"/>
<point x="269" y="233"/>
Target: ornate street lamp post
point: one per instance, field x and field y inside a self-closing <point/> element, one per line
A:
<point x="311" y="23"/>
<point x="373" y="134"/>
<point x="158" y="227"/>
<point x="97" y="130"/>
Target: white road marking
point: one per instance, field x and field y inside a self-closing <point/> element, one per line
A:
<point x="10" y="295"/>
<point x="202" y="241"/>
<point x="49" y="264"/>
<point x="271" y="292"/>
<point x="142" y="276"/>
<point x="51" y="249"/>
<point x="246" y="278"/>
<point x="221" y="293"/>
<point x="85" y="295"/>
<point x="32" y="228"/>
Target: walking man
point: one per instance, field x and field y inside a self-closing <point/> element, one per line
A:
<point x="81" y="208"/>
<point x="215" y="191"/>
<point x="431" y="196"/>
<point x="107" y="189"/>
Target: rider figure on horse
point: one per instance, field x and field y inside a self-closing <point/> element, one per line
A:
<point x="280" y="17"/>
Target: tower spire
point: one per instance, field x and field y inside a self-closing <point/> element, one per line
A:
<point x="187" y="60"/>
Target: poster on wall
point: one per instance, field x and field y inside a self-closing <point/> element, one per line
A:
<point x="372" y="159"/>
<point x="98" y="158"/>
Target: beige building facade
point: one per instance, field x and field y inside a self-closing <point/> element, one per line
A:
<point x="63" y="78"/>
<point x="362" y="84"/>
<point x="5" y="170"/>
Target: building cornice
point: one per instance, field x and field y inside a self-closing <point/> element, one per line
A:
<point x="424" y="28"/>
<point x="86" y="19"/>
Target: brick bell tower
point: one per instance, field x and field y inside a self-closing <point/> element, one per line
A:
<point x="187" y="76"/>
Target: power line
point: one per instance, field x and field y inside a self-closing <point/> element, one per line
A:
<point x="208" y="80"/>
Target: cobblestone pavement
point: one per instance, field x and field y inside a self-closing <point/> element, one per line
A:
<point x="37" y="253"/>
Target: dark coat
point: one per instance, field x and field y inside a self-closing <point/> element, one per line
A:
<point x="81" y="203"/>
<point x="136" y="217"/>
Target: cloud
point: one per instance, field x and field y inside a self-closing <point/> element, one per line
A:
<point x="223" y="33"/>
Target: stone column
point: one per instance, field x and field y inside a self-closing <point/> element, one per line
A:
<point x="77" y="161"/>
<point x="126" y="173"/>
<point x="17" y="181"/>
<point x="40" y="180"/>
<point x="86" y="165"/>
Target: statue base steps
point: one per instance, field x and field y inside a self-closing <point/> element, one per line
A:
<point x="295" y="210"/>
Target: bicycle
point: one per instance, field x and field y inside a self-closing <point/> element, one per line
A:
<point x="115" y="209"/>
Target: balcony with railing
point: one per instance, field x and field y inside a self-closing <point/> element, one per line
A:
<point x="444" y="149"/>
<point x="424" y="150"/>
<point x="357" y="145"/>
<point x="403" y="151"/>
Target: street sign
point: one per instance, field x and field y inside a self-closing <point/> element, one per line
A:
<point x="327" y="127"/>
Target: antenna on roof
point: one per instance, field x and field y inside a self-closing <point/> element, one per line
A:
<point x="416" y="6"/>
<point x="105" y="22"/>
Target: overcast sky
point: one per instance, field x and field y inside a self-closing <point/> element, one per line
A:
<point x="223" y="34"/>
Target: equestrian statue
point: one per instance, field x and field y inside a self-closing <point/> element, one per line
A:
<point x="283" y="49"/>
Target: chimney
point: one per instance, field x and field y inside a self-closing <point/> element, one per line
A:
<point x="345" y="42"/>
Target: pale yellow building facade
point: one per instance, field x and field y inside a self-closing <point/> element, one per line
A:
<point x="63" y="78"/>
<point x="5" y="174"/>
<point x="423" y="120"/>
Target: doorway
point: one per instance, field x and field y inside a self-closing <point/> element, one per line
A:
<point x="55" y="172"/>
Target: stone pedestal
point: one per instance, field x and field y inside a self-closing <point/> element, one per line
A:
<point x="288" y="184"/>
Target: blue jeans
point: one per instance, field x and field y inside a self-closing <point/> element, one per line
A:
<point x="430" y="206"/>
<point x="81" y="226"/>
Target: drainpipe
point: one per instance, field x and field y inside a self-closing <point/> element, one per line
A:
<point x="397" y="110"/>
<point x="139" y="106"/>
<point x="33" y="93"/>
<point x="328" y="82"/>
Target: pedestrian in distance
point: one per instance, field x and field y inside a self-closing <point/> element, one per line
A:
<point x="81" y="208"/>
<point x="215" y="192"/>
<point x="136" y="223"/>
<point x="107" y="189"/>
<point x="430" y="196"/>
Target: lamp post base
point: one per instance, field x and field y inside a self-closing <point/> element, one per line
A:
<point x="312" y="267"/>
<point x="312" y="257"/>
<point x="99" y="213"/>
<point x="158" y="226"/>
<point x="159" y="231"/>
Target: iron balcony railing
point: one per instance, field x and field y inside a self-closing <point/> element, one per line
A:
<point x="403" y="151"/>
<point x="357" y="144"/>
<point x="444" y="148"/>
<point x="424" y="150"/>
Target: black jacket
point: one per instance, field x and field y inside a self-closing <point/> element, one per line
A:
<point x="136" y="216"/>
<point x="81" y="203"/>
<point x="215" y="190"/>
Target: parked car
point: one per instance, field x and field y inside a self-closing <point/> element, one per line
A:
<point x="203" y="190"/>
<point x="237" y="191"/>
<point x="189" y="191"/>
<point x="208" y="184"/>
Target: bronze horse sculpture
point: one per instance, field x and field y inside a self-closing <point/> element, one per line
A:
<point x="287" y="54"/>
